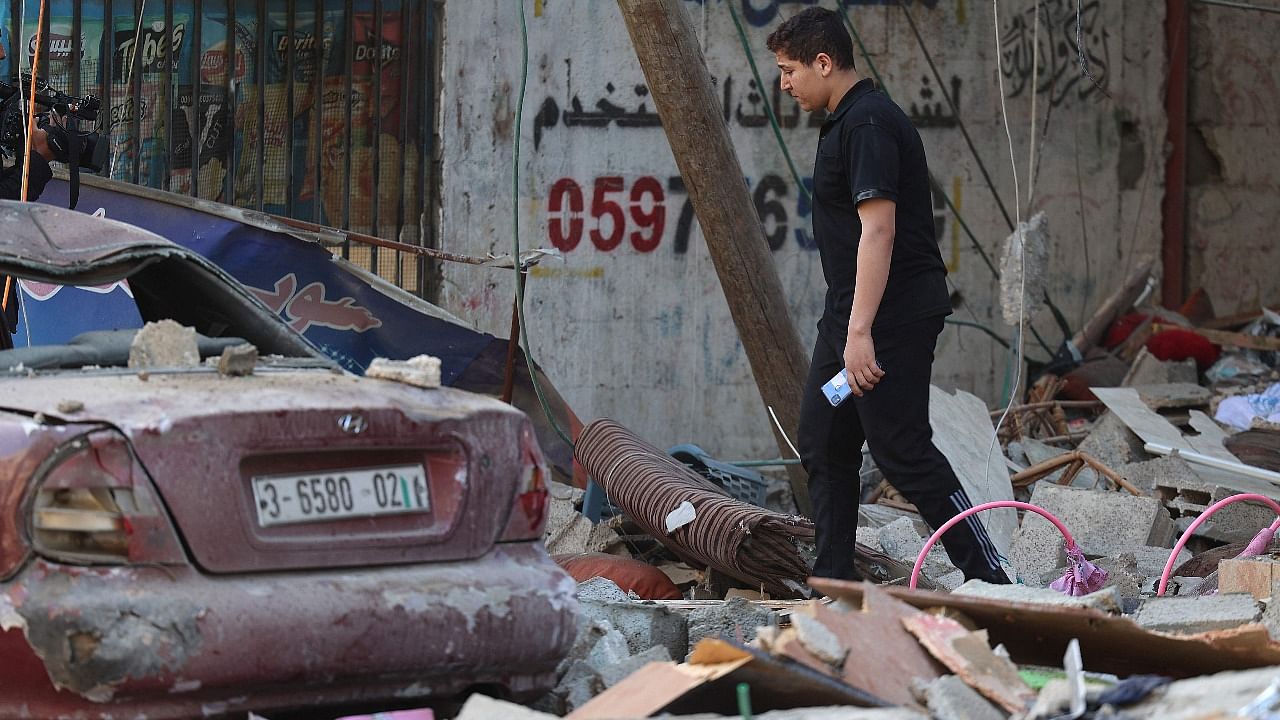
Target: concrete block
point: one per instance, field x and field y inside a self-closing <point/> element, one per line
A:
<point x="644" y="625"/>
<point x="1123" y="574"/>
<point x="1147" y="369"/>
<point x="949" y="698"/>
<point x="1151" y="560"/>
<point x="1174" y="395"/>
<point x="618" y="672"/>
<point x="735" y="618"/>
<point x="601" y="590"/>
<point x="164" y="344"/>
<point x="1112" y="442"/>
<point x="900" y="541"/>
<point x="1103" y="523"/>
<point x="1106" y="600"/>
<point x="1190" y="615"/>
<point x="1151" y="475"/>
<point x="579" y="685"/>
<point x="238" y="361"/>
<point x="818" y="639"/>
<point x="1187" y="490"/>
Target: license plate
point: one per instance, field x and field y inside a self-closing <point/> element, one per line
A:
<point x="315" y="497"/>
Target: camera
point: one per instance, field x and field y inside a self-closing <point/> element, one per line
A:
<point x="69" y="144"/>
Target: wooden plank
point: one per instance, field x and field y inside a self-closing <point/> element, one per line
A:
<point x="689" y="107"/>
<point x="1230" y="339"/>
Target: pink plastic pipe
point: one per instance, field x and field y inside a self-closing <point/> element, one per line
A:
<point x="933" y="539"/>
<point x="1186" y="536"/>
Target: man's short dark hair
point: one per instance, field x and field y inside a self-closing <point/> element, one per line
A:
<point x="811" y="31"/>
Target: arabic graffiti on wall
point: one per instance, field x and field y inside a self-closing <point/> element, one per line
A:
<point x="626" y="106"/>
<point x="764" y="12"/>
<point x="1059" y="47"/>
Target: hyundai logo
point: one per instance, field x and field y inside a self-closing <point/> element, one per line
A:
<point x="353" y="423"/>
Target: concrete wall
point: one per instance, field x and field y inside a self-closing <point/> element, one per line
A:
<point x="633" y="324"/>
<point x="1233" y="162"/>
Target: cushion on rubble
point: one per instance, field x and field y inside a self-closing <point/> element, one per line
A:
<point x="643" y="579"/>
<point x="1177" y="344"/>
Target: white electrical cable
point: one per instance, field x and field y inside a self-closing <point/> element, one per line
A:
<point x="782" y="432"/>
<point x="1022" y="255"/>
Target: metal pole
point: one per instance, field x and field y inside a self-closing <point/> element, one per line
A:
<point x="291" y="70"/>
<point x="196" y="125"/>
<point x="170" y="91"/>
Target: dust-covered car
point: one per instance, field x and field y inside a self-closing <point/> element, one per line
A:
<point x="176" y="541"/>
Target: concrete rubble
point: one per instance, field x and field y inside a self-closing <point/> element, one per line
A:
<point x="971" y="649"/>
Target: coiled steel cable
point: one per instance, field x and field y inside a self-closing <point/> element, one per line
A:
<point x="749" y="543"/>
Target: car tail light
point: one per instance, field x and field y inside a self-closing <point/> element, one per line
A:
<point x="529" y="514"/>
<point x="93" y="503"/>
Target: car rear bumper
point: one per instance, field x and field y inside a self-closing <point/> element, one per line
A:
<point x="98" y="642"/>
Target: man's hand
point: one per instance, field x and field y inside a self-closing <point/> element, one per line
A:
<point x="860" y="363"/>
<point x="40" y="143"/>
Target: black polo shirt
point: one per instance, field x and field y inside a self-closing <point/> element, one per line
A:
<point x="869" y="149"/>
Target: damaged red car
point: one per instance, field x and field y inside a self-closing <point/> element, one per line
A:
<point x="179" y="542"/>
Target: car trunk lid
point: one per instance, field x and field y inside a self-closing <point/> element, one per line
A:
<point x="389" y="471"/>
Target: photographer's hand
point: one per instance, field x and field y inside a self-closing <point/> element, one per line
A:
<point x="40" y="144"/>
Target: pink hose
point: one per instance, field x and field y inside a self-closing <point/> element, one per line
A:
<point x="1186" y="536"/>
<point x="933" y="539"/>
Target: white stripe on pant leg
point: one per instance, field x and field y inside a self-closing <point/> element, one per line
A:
<point x="980" y="530"/>
<point x="988" y="552"/>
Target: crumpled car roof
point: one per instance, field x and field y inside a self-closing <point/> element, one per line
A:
<point x="65" y="247"/>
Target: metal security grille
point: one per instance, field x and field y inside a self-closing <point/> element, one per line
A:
<point x="317" y="110"/>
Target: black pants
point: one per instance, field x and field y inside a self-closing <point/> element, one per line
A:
<point x="893" y="418"/>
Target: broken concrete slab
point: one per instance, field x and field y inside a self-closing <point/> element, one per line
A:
<point x="238" y="360"/>
<point x="1147" y="369"/>
<point x="1123" y="575"/>
<point x="900" y="541"/>
<point x="949" y="698"/>
<point x="1103" y="523"/>
<point x="643" y="624"/>
<point x="1112" y="442"/>
<point x="1166" y="396"/>
<point x="420" y="371"/>
<point x="1151" y="427"/>
<point x="962" y="430"/>
<point x="737" y="620"/>
<point x="1150" y="475"/>
<point x="818" y="639"/>
<point x="1151" y="560"/>
<point x="616" y="673"/>
<point x="1106" y="600"/>
<point x="164" y="344"/>
<point x="1192" y="615"/>
<point x="601" y="590"/>
<point x="1188" y="495"/>
<point x="569" y="532"/>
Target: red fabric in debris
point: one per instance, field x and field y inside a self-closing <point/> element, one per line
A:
<point x="1176" y="344"/>
<point x="630" y="575"/>
<point x="1122" y="328"/>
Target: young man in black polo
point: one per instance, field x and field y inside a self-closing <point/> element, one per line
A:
<point x="885" y="304"/>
